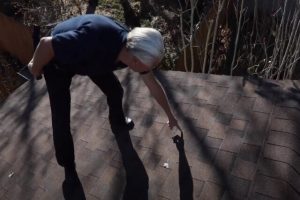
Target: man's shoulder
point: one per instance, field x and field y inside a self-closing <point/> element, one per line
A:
<point x="90" y="20"/>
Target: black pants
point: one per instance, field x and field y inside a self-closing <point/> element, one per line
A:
<point x="58" y="83"/>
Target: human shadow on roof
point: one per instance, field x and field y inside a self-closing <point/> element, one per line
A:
<point x="185" y="176"/>
<point x="73" y="190"/>
<point x="137" y="181"/>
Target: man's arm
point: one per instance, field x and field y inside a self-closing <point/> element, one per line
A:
<point x="42" y="55"/>
<point x="159" y="95"/>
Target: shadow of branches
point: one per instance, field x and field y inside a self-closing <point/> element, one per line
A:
<point x="189" y="125"/>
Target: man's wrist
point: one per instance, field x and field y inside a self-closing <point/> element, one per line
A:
<point x="171" y="116"/>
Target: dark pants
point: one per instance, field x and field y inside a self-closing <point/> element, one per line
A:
<point x="58" y="84"/>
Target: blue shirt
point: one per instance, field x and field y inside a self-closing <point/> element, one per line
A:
<point x="88" y="44"/>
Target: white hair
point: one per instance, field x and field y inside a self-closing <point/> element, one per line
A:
<point x="146" y="44"/>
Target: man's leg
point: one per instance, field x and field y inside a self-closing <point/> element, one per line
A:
<point x="58" y="85"/>
<point x="111" y="87"/>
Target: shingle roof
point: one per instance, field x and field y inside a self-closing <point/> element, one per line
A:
<point x="241" y="139"/>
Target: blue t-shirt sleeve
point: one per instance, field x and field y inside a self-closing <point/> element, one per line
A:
<point x="73" y="46"/>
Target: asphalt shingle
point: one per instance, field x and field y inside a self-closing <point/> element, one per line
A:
<point x="241" y="140"/>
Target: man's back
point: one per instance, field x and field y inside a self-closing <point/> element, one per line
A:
<point x="88" y="44"/>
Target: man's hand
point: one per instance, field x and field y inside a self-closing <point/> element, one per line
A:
<point x="34" y="71"/>
<point x="173" y="122"/>
<point x="42" y="55"/>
